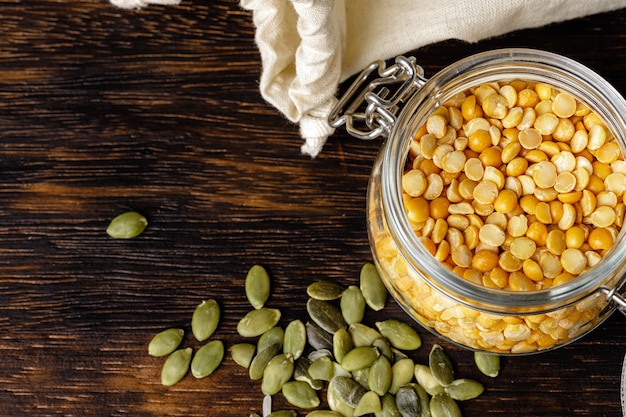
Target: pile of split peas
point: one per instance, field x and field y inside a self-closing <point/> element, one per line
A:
<point x="515" y="186"/>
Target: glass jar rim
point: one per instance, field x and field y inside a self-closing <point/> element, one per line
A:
<point x="498" y="65"/>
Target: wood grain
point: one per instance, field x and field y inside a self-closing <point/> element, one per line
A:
<point x="158" y="110"/>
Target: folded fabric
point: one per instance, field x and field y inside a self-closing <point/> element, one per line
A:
<point x="308" y="47"/>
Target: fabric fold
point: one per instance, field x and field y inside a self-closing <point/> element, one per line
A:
<point x="308" y="47"/>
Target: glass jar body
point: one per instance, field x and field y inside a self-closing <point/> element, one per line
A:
<point x="465" y="313"/>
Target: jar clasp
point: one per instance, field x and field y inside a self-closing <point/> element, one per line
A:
<point x="613" y="296"/>
<point x="370" y="105"/>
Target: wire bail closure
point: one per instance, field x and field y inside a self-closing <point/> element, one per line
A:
<point x="375" y="102"/>
<point x="613" y="296"/>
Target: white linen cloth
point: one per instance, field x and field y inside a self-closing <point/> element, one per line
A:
<point x="308" y="47"/>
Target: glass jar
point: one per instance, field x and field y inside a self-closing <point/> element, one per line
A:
<point x="396" y="104"/>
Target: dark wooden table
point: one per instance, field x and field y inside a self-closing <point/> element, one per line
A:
<point x="102" y="111"/>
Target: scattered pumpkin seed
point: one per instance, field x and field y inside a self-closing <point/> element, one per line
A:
<point x="176" y="366"/>
<point x="352" y="305"/>
<point x="318" y="338"/>
<point x="442" y="405"/>
<point x="487" y="363"/>
<point x="301" y="373"/>
<point x="323" y="413"/>
<point x="464" y="389"/>
<point x="384" y="347"/>
<point x="322" y="369"/>
<point x="363" y="335"/>
<point x="260" y="361"/>
<point x="440" y="365"/>
<point x="379" y="378"/>
<point x="423" y="398"/>
<point x="361" y="376"/>
<point x="295" y="339"/>
<point x="372" y="287"/>
<point x="165" y="342"/>
<point x="402" y="372"/>
<point x="325" y="315"/>
<point x="408" y="402"/>
<point x="278" y="371"/>
<point x="342" y="344"/>
<point x="242" y="353"/>
<point x="425" y="379"/>
<point x="399" y="334"/>
<point x="336" y="404"/>
<point x="205" y="319"/>
<point x="283" y="413"/>
<point x="388" y="407"/>
<point x="274" y="336"/>
<point x="347" y="390"/>
<point x="359" y="358"/>
<point x="325" y="290"/>
<point x="257" y="322"/>
<point x="369" y="404"/>
<point x="207" y="359"/>
<point x="127" y="225"/>
<point x="300" y="394"/>
<point x="257" y="286"/>
<point x="320" y="353"/>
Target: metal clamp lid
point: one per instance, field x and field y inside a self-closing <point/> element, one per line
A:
<point x="372" y="102"/>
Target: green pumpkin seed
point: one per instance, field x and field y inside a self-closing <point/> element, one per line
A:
<point x="442" y="405"/>
<point x="399" y="334"/>
<point x="342" y="344"/>
<point x="372" y="287"/>
<point x="242" y="353"/>
<point x="254" y="415"/>
<point x="127" y="225"/>
<point x="487" y="363"/>
<point x="388" y="407"/>
<point x="425" y="379"/>
<point x="165" y="342"/>
<point x="384" y="347"/>
<point x="369" y="404"/>
<point x="325" y="315"/>
<point x="325" y="290"/>
<point x="402" y="372"/>
<point x="337" y="405"/>
<point x="260" y="361"/>
<point x="274" y="336"/>
<point x="323" y="413"/>
<point x="257" y="286"/>
<point x="300" y="394"/>
<point x="301" y="373"/>
<point x="278" y="371"/>
<point x="318" y="338"/>
<point x="347" y="390"/>
<point x="257" y="322"/>
<point x="464" y="389"/>
<point x="423" y="399"/>
<point x="320" y="353"/>
<point x="408" y="402"/>
<point x="207" y="359"/>
<point x="359" y="358"/>
<point x="361" y="376"/>
<point x="322" y="369"/>
<point x="440" y="365"/>
<point x="379" y="378"/>
<point x="295" y="339"/>
<point x="352" y="305"/>
<point x="205" y="319"/>
<point x="363" y="335"/>
<point x="283" y="413"/>
<point x="176" y="366"/>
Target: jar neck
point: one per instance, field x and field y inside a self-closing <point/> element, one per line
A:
<point x="500" y="65"/>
